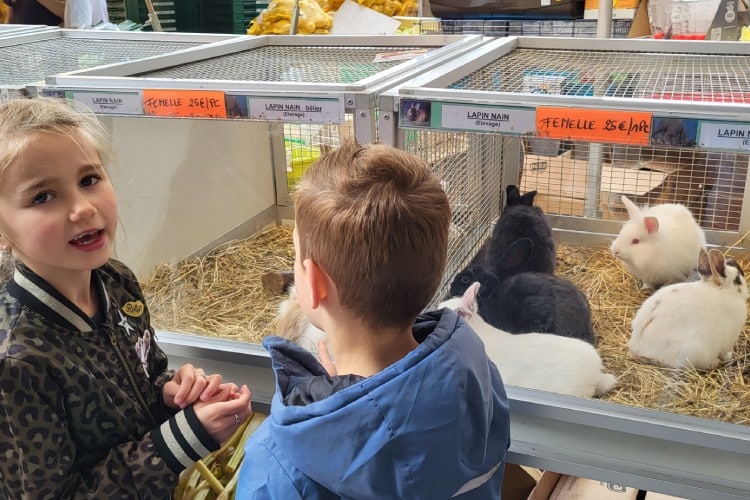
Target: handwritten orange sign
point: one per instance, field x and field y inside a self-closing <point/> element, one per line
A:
<point x="185" y="103"/>
<point x="599" y="125"/>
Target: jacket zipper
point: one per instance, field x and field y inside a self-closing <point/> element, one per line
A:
<point x="131" y="379"/>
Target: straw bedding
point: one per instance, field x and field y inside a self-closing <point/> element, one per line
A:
<point x="221" y="295"/>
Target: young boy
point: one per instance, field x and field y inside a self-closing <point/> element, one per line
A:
<point x="416" y="409"/>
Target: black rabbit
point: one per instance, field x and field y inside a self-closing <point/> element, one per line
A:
<point x="521" y="220"/>
<point x="527" y="302"/>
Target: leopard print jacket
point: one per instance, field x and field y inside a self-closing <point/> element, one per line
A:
<point x="81" y="411"/>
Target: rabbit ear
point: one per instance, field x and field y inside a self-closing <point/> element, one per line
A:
<point x="716" y="259"/>
<point x="528" y="198"/>
<point x="633" y="211"/>
<point x="513" y="196"/>
<point x="469" y="299"/>
<point x="704" y="264"/>
<point x="516" y="256"/>
<point x="651" y="223"/>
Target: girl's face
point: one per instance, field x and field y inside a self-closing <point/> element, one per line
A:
<point x="58" y="209"/>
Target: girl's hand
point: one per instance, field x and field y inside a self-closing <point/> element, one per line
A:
<point x="221" y="415"/>
<point x="189" y="385"/>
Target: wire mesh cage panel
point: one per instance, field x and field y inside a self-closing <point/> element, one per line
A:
<point x="312" y="92"/>
<point x="470" y="169"/>
<point x="30" y="58"/>
<point x="694" y="77"/>
<point x="303" y="145"/>
<point x="288" y="64"/>
<point x="650" y="122"/>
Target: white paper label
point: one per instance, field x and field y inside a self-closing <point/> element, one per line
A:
<point x="729" y="135"/>
<point x="296" y="110"/>
<point x="110" y="103"/>
<point x="488" y="118"/>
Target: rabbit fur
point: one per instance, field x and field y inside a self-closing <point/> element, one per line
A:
<point x="294" y="325"/>
<point x="528" y="302"/>
<point x="659" y="244"/>
<point x="521" y="219"/>
<point x="693" y="324"/>
<point x="537" y="360"/>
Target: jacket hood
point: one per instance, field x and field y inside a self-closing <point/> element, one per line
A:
<point x="427" y="416"/>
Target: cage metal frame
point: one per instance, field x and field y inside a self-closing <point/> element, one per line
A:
<point x="358" y="98"/>
<point x="643" y="448"/>
<point x="53" y="35"/>
<point x="434" y="86"/>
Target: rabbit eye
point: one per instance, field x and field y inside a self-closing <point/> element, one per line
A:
<point x="635" y="241"/>
<point x="464" y="279"/>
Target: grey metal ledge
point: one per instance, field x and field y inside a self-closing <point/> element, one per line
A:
<point x="627" y="446"/>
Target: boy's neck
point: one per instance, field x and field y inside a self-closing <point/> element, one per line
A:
<point x="363" y="352"/>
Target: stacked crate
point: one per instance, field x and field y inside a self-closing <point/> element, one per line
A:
<point x="217" y="16"/>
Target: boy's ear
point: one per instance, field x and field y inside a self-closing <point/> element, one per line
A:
<point x="318" y="282"/>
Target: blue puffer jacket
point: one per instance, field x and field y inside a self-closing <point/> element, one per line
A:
<point x="433" y="425"/>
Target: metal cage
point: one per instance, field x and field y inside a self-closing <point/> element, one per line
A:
<point x="29" y="56"/>
<point x="662" y="109"/>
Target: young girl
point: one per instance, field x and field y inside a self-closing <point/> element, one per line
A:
<point x="88" y="408"/>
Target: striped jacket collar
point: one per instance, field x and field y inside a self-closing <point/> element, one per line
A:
<point x="40" y="296"/>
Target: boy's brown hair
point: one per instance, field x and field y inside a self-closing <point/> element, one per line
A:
<point x="376" y="219"/>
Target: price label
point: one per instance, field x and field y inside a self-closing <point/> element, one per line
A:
<point x="185" y="103"/>
<point x="596" y="125"/>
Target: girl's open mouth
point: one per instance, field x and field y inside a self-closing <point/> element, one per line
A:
<point x="90" y="240"/>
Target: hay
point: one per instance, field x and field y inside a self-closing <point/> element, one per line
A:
<point x="615" y="296"/>
<point x="220" y="294"/>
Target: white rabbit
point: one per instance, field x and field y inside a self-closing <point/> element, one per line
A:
<point x="542" y="361"/>
<point x="693" y="324"/>
<point x="294" y="325"/>
<point x="659" y="244"/>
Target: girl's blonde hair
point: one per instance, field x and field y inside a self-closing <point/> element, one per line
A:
<point x="22" y="120"/>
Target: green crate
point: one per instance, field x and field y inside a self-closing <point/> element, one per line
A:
<point x="217" y="16"/>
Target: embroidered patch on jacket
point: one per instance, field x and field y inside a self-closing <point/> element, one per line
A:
<point x="125" y="324"/>
<point x="134" y="309"/>
<point x="142" y="347"/>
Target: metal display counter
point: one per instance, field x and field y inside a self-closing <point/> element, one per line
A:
<point x="682" y="456"/>
<point x="29" y="55"/>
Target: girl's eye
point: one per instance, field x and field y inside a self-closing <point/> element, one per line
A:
<point x="41" y="198"/>
<point x="635" y="241"/>
<point x="89" y="180"/>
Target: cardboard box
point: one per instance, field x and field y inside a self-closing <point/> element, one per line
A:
<point x="560" y="183"/>
<point x="578" y="488"/>
<point x="661" y="496"/>
<point x="621" y="9"/>
<point x="519" y="481"/>
<point x="545" y="486"/>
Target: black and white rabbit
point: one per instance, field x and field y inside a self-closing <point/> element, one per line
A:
<point x="659" y="244"/>
<point x="521" y="219"/>
<point x="528" y="302"/>
<point x="537" y="360"/>
<point x="693" y="324"/>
